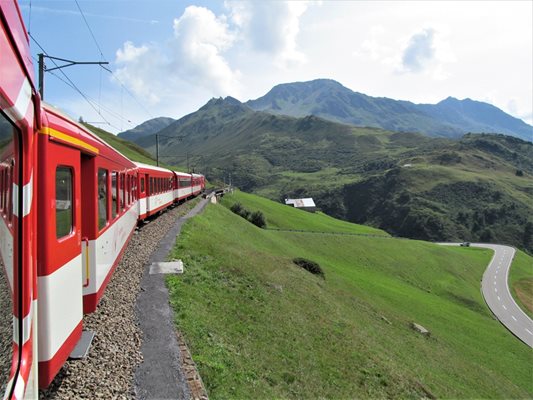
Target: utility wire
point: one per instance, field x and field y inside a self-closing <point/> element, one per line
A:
<point x="90" y="31"/>
<point x="108" y="70"/>
<point x="108" y="110"/>
<point x="73" y="85"/>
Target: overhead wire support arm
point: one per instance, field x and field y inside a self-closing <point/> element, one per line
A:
<point x="68" y="63"/>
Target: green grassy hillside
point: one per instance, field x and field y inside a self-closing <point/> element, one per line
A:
<point x="129" y="149"/>
<point x="478" y="188"/>
<point x="280" y="216"/>
<point x="259" y="326"/>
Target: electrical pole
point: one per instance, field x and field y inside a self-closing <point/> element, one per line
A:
<point x="41" y="75"/>
<point x="43" y="69"/>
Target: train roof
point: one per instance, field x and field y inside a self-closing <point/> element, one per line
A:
<point x="57" y="119"/>
<point x="151" y="167"/>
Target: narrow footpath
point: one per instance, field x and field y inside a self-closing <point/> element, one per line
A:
<point x="160" y="375"/>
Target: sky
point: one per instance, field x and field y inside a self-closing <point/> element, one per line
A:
<point x="168" y="58"/>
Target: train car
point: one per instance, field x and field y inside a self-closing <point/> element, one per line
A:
<point x="87" y="212"/>
<point x="183" y="186"/>
<point x="156" y="189"/>
<point x="198" y="184"/>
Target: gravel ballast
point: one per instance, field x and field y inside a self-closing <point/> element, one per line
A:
<point x="6" y="329"/>
<point x="108" y="371"/>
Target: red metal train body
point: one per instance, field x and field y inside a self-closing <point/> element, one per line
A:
<point x="69" y="203"/>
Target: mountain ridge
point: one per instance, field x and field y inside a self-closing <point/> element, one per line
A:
<point x="331" y="100"/>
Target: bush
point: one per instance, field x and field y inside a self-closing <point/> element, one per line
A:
<point x="258" y="219"/>
<point x="236" y="208"/>
<point x="309" y="266"/>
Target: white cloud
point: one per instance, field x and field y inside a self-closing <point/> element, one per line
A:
<point x="429" y="52"/>
<point x="200" y="38"/>
<point x="139" y="65"/>
<point x="193" y="55"/>
<point x="270" y="27"/>
<point x="419" y="52"/>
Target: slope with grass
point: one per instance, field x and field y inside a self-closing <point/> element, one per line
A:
<point x="477" y="188"/>
<point x="282" y="217"/>
<point x="259" y="326"/>
<point x="521" y="282"/>
<point x="127" y="148"/>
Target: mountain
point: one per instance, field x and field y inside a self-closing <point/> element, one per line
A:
<point x="475" y="188"/>
<point x="149" y="127"/>
<point x="331" y="100"/>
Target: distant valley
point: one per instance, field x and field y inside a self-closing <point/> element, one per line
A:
<point x="476" y="187"/>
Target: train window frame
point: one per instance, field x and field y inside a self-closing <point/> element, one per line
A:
<point x="114" y="191"/>
<point x="63" y="233"/>
<point x="142" y="185"/>
<point x="1" y="189"/>
<point x="105" y="198"/>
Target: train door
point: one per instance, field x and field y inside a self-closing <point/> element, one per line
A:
<point x="60" y="262"/>
<point x="10" y="258"/>
<point x="143" y="194"/>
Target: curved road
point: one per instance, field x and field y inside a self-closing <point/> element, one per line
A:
<point x="495" y="290"/>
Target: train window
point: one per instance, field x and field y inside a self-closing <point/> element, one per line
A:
<point x="142" y="185"/>
<point x="64" y="200"/>
<point x="1" y="188"/>
<point x="114" y="194"/>
<point x="121" y="191"/>
<point x="127" y="190"/>
<point x="151" y="185"/>
<point x="8" y="135"/>
<point x="102" y="198"/>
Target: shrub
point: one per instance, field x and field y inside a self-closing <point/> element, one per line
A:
<point x="236" y="208"/>
<point x="258" y="219"/>
<point x="309" y="266"/>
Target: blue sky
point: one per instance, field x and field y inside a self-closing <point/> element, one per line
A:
<point x="170" y="57"/>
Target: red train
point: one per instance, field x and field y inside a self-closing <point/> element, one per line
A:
<point x="69" y="203"/>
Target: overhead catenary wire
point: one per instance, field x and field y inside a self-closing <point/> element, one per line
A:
<point x="107" y="69"/>
<point x="107" y="110"/>
<point x="72" y="84"/>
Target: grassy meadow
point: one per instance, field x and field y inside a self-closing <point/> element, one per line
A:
<point x="258" y="326"/>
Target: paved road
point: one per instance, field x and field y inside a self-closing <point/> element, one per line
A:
<point x="495" y="290"/>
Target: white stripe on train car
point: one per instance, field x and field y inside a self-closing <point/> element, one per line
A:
<point x="27" y="198"/>
<point x="26" y="325"/>
<point x="60" y="306"/>
<point x="183" y="192"/>
<point x="20" y="387"/>
<point x="158" y="200"/>
<point x="6" y="250"/>
<point x="142" y="206"/>
<point x="20" y="108"/>
<point x="109" y="245"/>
